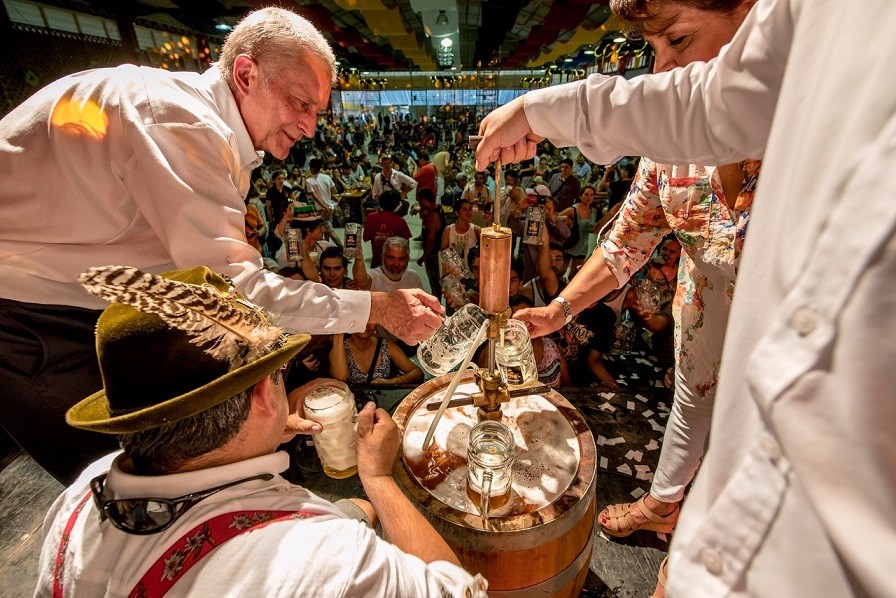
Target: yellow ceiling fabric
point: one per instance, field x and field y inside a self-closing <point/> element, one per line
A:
<point x="581" y="37"/>
<point x="387" y="22"/>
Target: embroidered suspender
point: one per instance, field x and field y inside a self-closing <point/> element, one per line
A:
<point x="184" y="553"/>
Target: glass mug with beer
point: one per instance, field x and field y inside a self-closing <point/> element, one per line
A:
<point x="490" y="466"/>
<point x="332" y="405"/>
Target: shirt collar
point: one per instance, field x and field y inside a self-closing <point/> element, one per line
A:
<point x="127" y="485"/>
<point x="250" y="158"/>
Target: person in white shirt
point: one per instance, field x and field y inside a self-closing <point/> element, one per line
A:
<point x="151" y="168"/>
<point x="390" y="178"/>
<point x="393" y="273"/>
<point x="322" y="188"/>
<point x="796" y="491"/>
<point x="197" y="486"/>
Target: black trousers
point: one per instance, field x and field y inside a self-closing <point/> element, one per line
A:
<point x="47" y="364"/>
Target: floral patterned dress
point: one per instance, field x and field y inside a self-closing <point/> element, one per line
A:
<point x="688" y="201"/>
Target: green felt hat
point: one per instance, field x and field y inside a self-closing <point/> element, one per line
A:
<point x="154" y="375"/>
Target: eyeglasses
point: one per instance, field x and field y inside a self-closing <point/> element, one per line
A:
<point x="285" y="369"/>
<point x="144" y="516"/>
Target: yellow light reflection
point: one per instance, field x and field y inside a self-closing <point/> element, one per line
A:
<point x="80" y="118"/>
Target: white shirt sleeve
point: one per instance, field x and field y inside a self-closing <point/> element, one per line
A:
<point x="713" y="112"/>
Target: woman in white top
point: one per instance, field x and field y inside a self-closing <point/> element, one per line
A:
<point x="462" y="235"/>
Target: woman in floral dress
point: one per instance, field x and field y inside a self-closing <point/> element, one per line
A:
<point x="707" y="208"/>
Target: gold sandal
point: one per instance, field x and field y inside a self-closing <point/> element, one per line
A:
<point x="621" y="522"/>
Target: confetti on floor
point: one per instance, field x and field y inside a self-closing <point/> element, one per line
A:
<point x="641" y="398"/>
<point x="652" y="445"/>
<point x="638" y="493"/>
<point x="604" y="463"/>
<point x="630" y="405"/>
<point x="624" y="469"/>
<point x="607" y="407"/>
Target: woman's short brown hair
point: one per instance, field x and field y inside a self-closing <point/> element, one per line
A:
<point x="641" y="14"/>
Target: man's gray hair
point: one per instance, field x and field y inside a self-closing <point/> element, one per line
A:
<point x="277" y="37"/>
<point x="397" y="242"/>
<point x="164" y="449"/>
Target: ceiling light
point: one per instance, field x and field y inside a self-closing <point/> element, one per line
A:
<point x="588" y="52"/>
<point x="446" y="42"/>
<point x="223" y="27"/>
<point x="442" y="19"/>
<point x="567" y="60"/>
<point x="619" y="39"/>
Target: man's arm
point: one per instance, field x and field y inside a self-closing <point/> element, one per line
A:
<point x="402" y="524"/>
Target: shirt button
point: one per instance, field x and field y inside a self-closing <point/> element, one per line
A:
<point x="803" y="321"/>
<point x="771" y="448"/>
<point x="712" y="560"/>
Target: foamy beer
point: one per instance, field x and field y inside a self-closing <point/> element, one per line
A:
<point x="332" y="405"/>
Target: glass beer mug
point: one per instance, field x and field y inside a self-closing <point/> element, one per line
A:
<point x="448" y="345"/>
<point x="489" y="466"/>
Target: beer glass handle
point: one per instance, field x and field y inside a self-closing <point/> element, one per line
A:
<point x="485" y="496"/>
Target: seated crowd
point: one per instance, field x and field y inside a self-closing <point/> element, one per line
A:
<point x="357" y="170"/>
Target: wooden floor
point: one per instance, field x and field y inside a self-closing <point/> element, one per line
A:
<point x="619" y="568"/>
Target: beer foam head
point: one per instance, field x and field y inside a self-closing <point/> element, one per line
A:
<point x="547" y="452"/>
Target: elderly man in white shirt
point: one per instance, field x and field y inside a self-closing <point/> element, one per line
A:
<point x="795" y="496"/>
<point x="150" y="168"/>
<point x="393" y="273"/>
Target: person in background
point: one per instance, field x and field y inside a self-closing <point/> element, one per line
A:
<point x="334" y="268"/>
<point x="462" y="235"/>
<point x="582" y="215"/>
<point x="391" y="179"/>
<point x="426" y="174"/>
<point x="582" y="169"/>
<point x="363" y="358"/>
<point x="322" y="189"/>
<point x="197" y="485"/>
<point x="384" y="224"/>
<point x="393" y="272"/>
<point x="433" y="220"/>
<point x="565" y="186"/>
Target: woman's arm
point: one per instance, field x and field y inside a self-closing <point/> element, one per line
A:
<point x="410" y="372"/>
<point x="338" y="359"/>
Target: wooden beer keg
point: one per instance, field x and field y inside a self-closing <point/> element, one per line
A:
<point x="540" y="547"/>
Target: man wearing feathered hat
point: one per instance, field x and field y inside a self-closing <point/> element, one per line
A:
<point x="193" y="387"/>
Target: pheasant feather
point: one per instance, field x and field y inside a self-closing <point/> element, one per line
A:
<point x="209" y="315"/>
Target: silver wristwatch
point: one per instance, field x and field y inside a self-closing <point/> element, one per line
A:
<point x="567" y="310"/>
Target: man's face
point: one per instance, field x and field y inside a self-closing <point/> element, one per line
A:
<point x="386" y="163"/>
<point x="395" y="262"/>
<point x="278" y="181"/>
<point x="514" y="286"/>
<point x="479" y="179"/>
<point x="332" y="272"/>
<point x="280" y="106"/>
<point x="509" y="179"/>
<point x="558" y="263"/>
<point x="565" y="169"/>
<point x="580" y="160"/>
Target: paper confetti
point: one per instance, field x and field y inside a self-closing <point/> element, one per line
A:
<point x="630" y="405"/>
<point x="638" y="493"/>
<point x="652" y="445"/>
<point x="613" y="441"/>
<point x="607" y="407"/>
<point x="641" y="398"/>
<point x="624" y="468"/>
<point x="601" y="441"/>
<point x="607" y="395"/>
<point x="647" y="413"/>
<point x="656" y="426"/>
<point x="604" y="462"/>
<point x="634" y="456"/>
